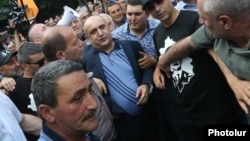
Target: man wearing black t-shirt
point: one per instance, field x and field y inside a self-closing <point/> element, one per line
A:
<point x="201" y="96"/>
<point x="31" y="58"/>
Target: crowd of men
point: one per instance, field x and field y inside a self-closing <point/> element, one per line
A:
<point x="134" y="70"/>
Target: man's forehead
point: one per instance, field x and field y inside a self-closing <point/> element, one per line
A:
<point x="94" y="19"/>
<point x="14" y="57"/>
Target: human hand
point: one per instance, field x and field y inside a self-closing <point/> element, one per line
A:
<point x="143" y="94"/>
<point x="241" y="89"/>
<point x="101" y="85"/>
<point x="146" y="61"/>
<point x="159" y="78"/>
<point x="165" y="68"/>
<point x="8" y="84"/>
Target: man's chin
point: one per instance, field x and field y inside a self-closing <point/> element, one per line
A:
<point x="19" y="73"/>
<point x="93" y="123"/>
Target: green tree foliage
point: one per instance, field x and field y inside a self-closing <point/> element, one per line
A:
<point x="4" y="4"/>
<point x="47" y="8"/>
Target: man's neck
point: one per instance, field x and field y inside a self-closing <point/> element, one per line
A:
<point x="172" y="18"/>
<point x="140" y="32"/>
<point x="108" y="48"/>
<point x="119" y="23"/>
<point x="65" y="134"/>
<point x="27" y="75"/>
<point x="242" y="43"/>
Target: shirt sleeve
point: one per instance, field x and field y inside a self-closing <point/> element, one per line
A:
<point x="202" y="38"/>
<point x="7" y="101"/>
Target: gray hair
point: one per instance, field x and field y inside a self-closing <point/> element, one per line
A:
<point x="26" y="50"/>
<point x="83" y="9"/>
<point x="234" y="8"/>
<point x="44" y="84"/>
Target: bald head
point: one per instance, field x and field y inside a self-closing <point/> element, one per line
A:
<point x="98" y="33"/>
<point x="36" y="32"/>
<point x="54" y="40"/>
<point x="92" y="20"/>
<point x="61" y="42"/>
<point x="54" y="31"/>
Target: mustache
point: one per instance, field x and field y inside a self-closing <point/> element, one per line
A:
<point x="90" y="115"/>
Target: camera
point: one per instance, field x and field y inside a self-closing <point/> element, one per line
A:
<point x="22" y="24"/>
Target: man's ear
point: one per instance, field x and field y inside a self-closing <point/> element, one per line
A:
<point x="60" y="55"/>
<point x="23" y="65"/>
<point x="225" y="21"/>
<point x="46" y="112"/>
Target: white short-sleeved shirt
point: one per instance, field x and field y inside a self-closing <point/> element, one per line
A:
<point x="10" y="117"/>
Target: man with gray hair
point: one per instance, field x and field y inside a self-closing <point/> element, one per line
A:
<point x="84" y="14"/>
<point x="61" y="43"/>
<point x="31" y="58"/>
<point x="226" y="28"/>
<point x="65" y="102"/>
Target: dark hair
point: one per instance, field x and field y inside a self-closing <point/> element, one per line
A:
<point x="134" y="2"/>
<point x="95" y="5"/>
<point x="111" y="4"/>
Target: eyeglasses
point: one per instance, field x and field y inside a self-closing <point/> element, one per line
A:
<point x="39" y="62"/>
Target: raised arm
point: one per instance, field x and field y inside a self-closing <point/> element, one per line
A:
<point x="31" y="124"/>
<point x="178" y="51"/>
<point x="240" y="87"/>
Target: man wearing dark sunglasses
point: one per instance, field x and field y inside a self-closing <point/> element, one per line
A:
<point x="31" y="59"/>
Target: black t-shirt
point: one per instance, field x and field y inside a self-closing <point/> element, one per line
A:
<point x="186" y="23"/>
<point x="202" y="96"/>
<point x="22" y="98"/>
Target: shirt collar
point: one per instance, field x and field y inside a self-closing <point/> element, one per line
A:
<point x="117" y="46"/>
<point x="51" y="134"/>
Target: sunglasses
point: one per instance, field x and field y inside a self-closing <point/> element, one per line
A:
<point x="39" y="62"/>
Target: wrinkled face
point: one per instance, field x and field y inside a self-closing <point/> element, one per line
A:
<point x="116" y="13"/>
<point x="160" y="9"/>
<point x="76" y="25"/>
<point x="76" y="107"/>
<point x="98" y="32"/>
<point x="36" y="61"/>
<point x="136" y="17"/>
<point x="12" y="68"/>
<point x="210" y="23"/>
<point x="83" y="16"/>
<point x="74" y="46"/>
